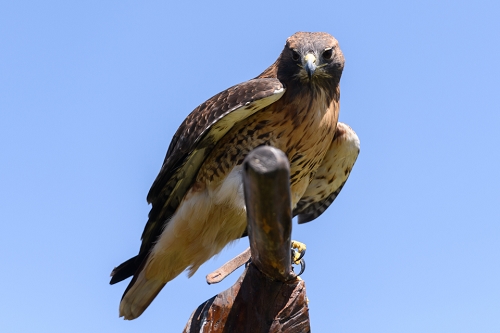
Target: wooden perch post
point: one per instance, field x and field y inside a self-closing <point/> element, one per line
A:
<point x="267" y="297"/>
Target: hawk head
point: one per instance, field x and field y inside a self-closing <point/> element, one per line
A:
<point x="311" y="58"/>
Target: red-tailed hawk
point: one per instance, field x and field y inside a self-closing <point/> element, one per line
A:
<point x="197" y="198"/>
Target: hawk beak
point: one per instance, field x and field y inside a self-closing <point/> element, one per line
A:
<point x="310" y="64"/>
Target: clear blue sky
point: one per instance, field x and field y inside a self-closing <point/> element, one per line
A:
<point x="90" y="95"/>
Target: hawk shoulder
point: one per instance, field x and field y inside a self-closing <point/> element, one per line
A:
<point x="330" y="176"/>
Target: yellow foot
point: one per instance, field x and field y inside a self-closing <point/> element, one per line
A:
<point x="299" y="254"/>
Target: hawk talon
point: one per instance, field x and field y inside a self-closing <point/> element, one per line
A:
<point x="302" y="267"/>
<point x="299" y="253"/>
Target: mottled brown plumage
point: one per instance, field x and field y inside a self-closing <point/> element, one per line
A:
<point x="197" y="200"/>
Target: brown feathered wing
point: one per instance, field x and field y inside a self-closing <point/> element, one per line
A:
<point x="191" y="144"/>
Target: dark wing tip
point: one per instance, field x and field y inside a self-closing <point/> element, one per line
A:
<point x="124" y="270"/>
<point x="304" y="218"/>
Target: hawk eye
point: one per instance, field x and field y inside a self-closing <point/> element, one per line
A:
<point x="295" y="55"/>
<point x="327" y="54"/>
